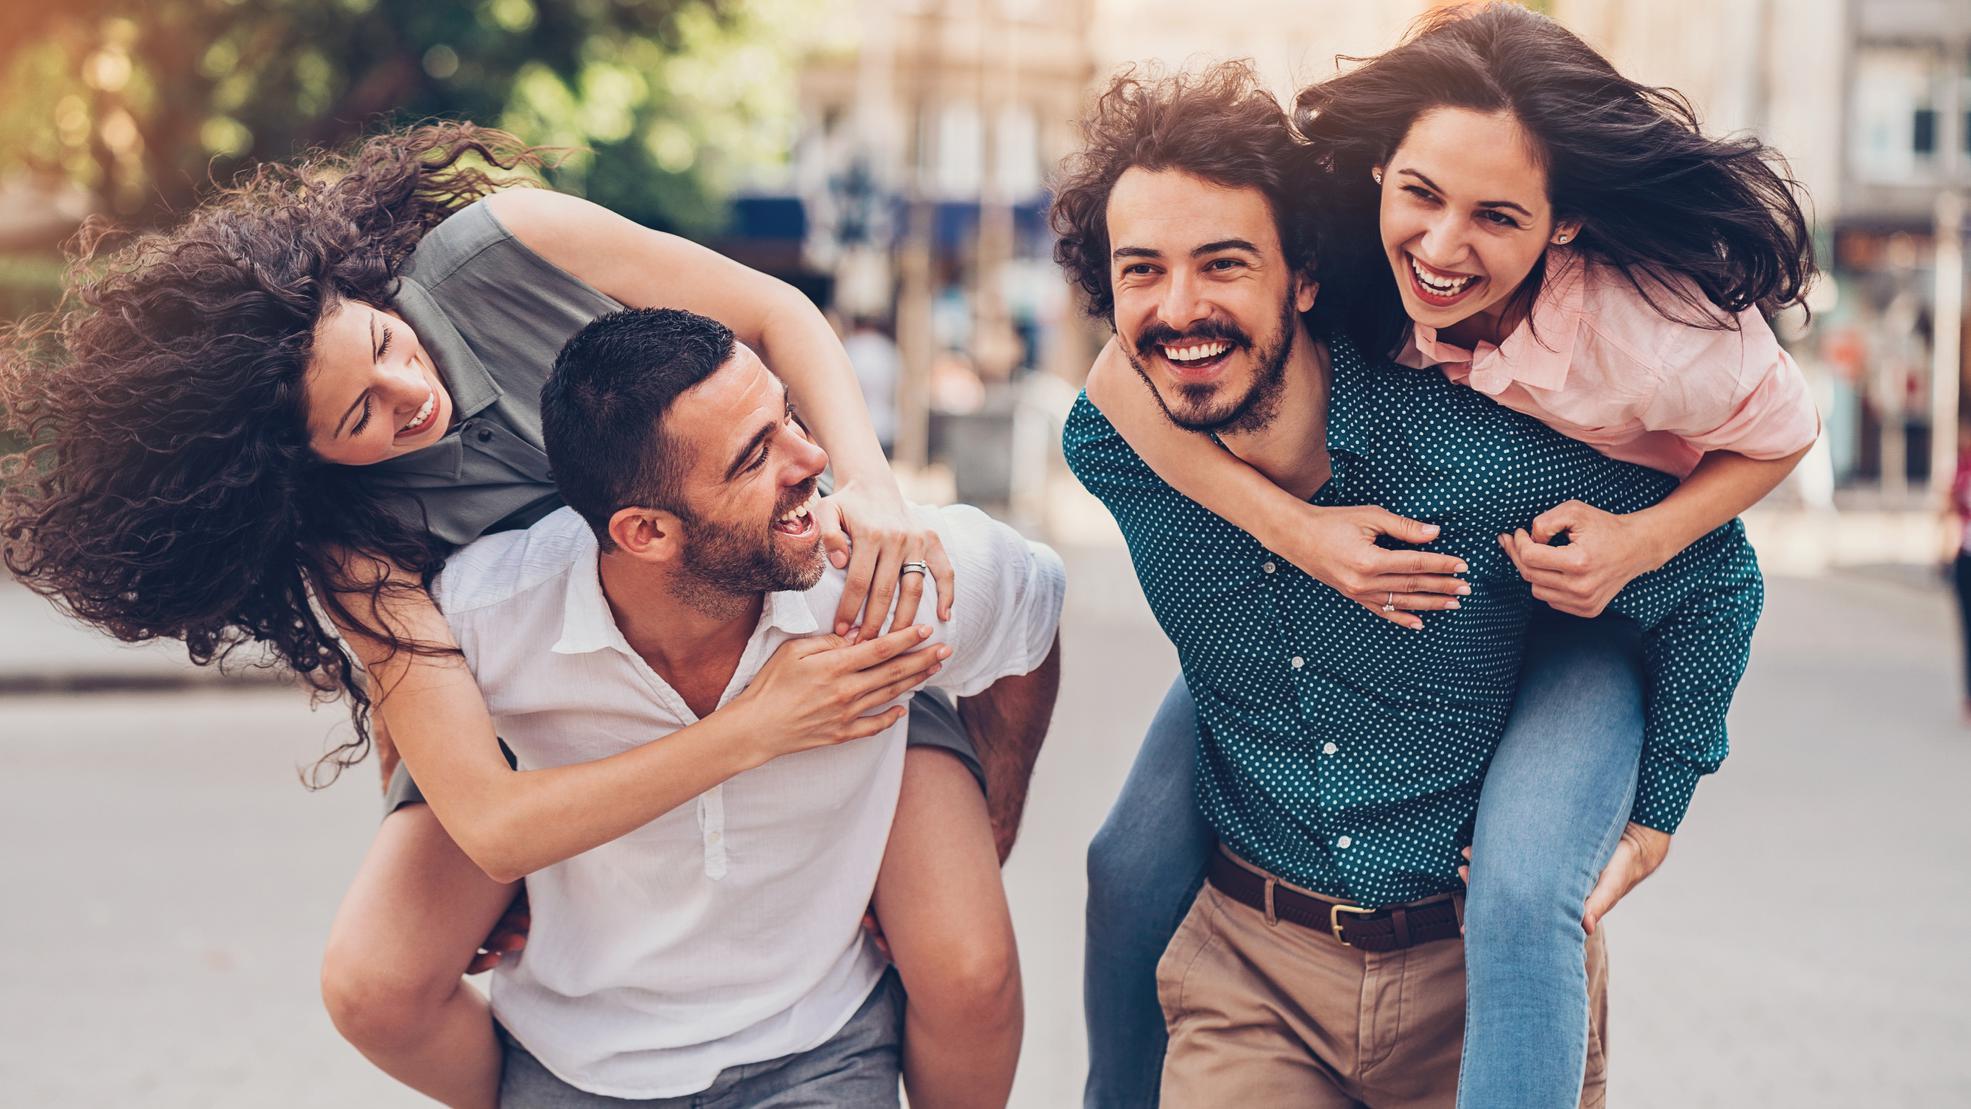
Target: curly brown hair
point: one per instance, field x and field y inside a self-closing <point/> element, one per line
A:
<point x="166" y="489"/>
<point x="1218" y="124"/>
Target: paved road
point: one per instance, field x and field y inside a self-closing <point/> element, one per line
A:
<point x="169" y="884"/>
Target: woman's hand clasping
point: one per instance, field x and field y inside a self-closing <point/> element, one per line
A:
<point x="1337" y="546"/>
<point x="823" y="690"/>
<point x="870" y="534"/>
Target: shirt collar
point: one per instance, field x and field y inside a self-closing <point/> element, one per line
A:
<point x="1539" y="351"/>
<point x="588" y="625"/>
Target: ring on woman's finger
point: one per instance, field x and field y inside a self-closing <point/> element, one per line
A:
<point x="915" y="566"/>
<point x="1389" y="603"/>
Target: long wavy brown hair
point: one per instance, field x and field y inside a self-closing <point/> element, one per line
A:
<point x="1695" y="223"/>
<point x="166" y="488"/>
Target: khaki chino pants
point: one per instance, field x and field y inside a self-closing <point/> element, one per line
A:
<point x="1275" y="1015"/>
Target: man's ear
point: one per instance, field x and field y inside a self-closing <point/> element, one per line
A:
<point x="651" y="534"/>
<point x="1305" y="290"/>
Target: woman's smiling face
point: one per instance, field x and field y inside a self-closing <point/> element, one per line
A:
<point x="1464" y="217"/>
<point x="372" y="391"/>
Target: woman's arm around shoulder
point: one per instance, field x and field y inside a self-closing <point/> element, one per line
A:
<point x="866" y="524"/>
<point x="1335" y="546"/>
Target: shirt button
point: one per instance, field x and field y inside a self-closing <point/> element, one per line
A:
<point x="1329" y="748"/>
<point x="1298" y="662"/>
<point x="1344" y="843"/>
<point x="1268" y="566"/>
<point x="485" y="435"/>
<point x="714" y="838"/>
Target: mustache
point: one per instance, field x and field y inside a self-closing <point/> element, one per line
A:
<point x="1163" y="335"/>
<point x="799" y="496"/>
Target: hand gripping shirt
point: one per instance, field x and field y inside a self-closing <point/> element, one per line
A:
<point x="1345" y="753"/>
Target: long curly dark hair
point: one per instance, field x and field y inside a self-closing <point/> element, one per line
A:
<point x="1695" y="223"/>
<point x="166" y="488"/>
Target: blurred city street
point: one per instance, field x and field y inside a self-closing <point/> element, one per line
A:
<point x="170" y="882"/>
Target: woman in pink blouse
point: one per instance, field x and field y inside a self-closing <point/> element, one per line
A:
<point x="1569" y="243"/>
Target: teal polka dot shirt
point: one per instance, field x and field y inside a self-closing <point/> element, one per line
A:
<point x="1344" y="753"/>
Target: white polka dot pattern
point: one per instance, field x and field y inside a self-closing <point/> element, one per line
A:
<point x="1345" y="753"/>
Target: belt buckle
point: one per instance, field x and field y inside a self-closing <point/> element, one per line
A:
<point x="1334" y="919"/>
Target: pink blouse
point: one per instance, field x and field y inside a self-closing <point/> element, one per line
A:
<point x="1597" y="363"/>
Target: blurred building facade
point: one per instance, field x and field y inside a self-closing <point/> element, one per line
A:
<point x="915" y="205"/>
<point x="1870" y="100"/>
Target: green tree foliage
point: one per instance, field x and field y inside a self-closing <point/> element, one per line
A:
<point x="666" y="102"/>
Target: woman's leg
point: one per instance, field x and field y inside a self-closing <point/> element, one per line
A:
<point x="1144" y="867"/>
<point x="1556" y="799"/>
<point x="943" y="911"/>
<point x="392" y="976"/>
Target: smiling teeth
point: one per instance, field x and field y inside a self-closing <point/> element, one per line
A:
<point x="1437" y="284"/>
<point x="796" y="512"/>
<point x="1196" y="353"/>
<point x="423" y="414"/>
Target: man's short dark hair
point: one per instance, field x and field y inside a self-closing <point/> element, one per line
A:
<point x="1219" y="125"/>
<point x="603" y="407"/>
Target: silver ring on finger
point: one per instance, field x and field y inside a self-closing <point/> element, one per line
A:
<point x="914" y="566"/>
<point x="1389" y="603"/>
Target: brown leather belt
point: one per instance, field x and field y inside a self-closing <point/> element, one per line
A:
<point x="1388" y="929"/>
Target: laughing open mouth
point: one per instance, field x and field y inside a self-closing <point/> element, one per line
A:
<point x="1436" y="287"/>
<point x="424" y="414"/>
<point x="797" y="521"/>
<point x="1192" y="356"/>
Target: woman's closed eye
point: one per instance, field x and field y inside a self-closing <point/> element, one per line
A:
<point x="363" y="420"/>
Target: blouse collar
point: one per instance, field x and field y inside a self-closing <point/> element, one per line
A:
<point x="1537" y="353"/>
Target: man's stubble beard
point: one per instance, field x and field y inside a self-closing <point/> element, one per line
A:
<point x="1251" y="412"/>
<point x="725" y="568"/>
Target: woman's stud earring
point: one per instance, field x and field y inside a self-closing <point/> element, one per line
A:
<point x="1561" y="238"/>
<point x="1377" y="174"/>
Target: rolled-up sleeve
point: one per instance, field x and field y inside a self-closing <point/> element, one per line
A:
<point x="1009" y="596"/>
<point x="1763" y="410"/>
<point x="1697" y="614"/>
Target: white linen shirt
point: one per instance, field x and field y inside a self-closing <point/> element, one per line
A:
<point x="728" y="930"/>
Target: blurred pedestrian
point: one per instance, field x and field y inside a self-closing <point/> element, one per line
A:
<point x="878" y="365"/>
<point x="1957" y="557"/>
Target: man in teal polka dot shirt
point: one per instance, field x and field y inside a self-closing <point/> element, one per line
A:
<point x="1340" y="756"/>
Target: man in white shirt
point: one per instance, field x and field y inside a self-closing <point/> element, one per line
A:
<point x="715" y="954"/>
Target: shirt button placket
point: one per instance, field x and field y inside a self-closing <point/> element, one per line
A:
<point x="711" y="825"/>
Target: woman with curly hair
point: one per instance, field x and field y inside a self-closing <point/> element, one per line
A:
<point x="1498" y="204"/>
<point x="268" y="427"/>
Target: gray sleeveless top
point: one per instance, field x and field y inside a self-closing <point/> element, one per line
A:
<point x="492" y="314"/>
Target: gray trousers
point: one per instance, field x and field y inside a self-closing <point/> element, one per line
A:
<point x="858" y="1068"/>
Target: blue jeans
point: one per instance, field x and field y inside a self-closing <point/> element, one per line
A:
<point x="1554" y="802"/>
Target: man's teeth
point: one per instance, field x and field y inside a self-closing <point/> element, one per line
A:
<point x="1196" y="352"/>
<point x="1439" y="285"/>
<point x="798" y="512"/>
<point x="423" y="413"/>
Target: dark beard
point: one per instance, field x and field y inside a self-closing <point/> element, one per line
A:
<point x="1251" y="412"/>
<point x="725" y="565"/>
